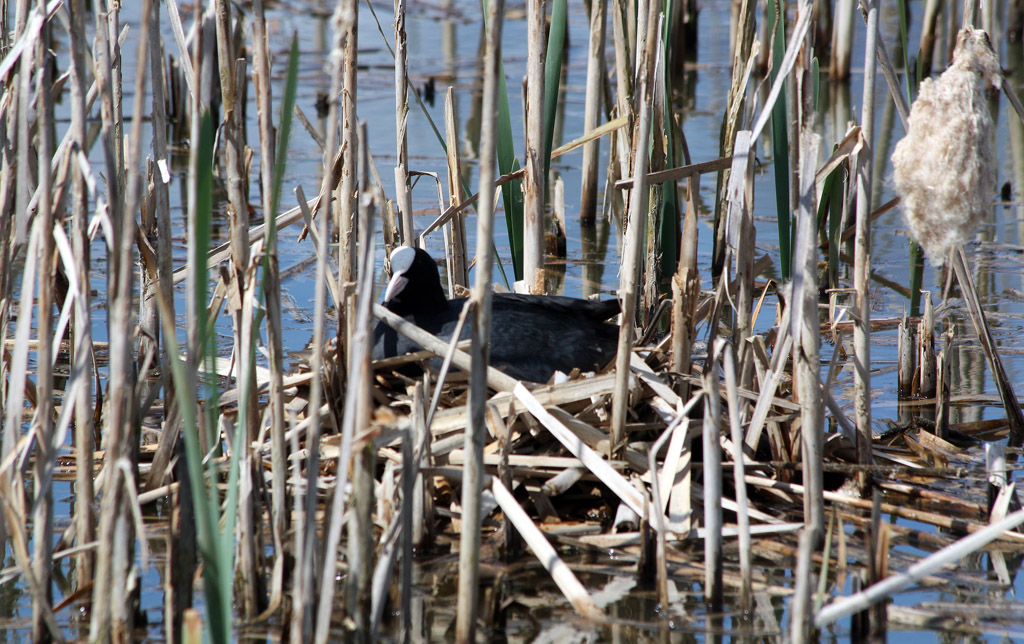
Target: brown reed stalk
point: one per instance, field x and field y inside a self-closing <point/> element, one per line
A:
<point x="113" y="618"/>
<point x="592" y="109"/>
<point x="83" y="366"/>
<point x="233" y="136"/>
<point x="344" y="13"/>
<point x="862" y="243"/>
<point x="631" y="267"/>
<point x="457" y="261"/>
<point x="534" y="184"/>
<point x="624" y="80"/>
<point x="805" y="322"/>
<point x="279" y="516"/>
<point x="21" y="99"/>
<point x="403" y="191"/>
<point x="926" y="349"/>
<point x="480" y="298"/>
<point x="360" y="527"/>
<point x="347" y="197"/>
<point x="742" y="65"/>
<point x="46" y="451"/>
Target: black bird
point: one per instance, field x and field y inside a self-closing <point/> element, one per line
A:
<point x="532" y="336"/>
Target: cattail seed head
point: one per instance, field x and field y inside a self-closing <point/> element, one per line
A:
<point x="944" y="168"/>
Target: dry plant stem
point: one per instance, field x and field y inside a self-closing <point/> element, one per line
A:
<point x="591" y="110"/>
<point x="457" y="267"/>
<point x="563" y="577"/>
<point x="535" y="181"/>
<point x="238" y="225"/>
<point x="927" y="566"/>
<point x="712" y="490"/>
<point x="46" y="451"/>
<point x="161" y="211"/>
<point x="842" y="39"/>
<point x="403" y="195"/>
<point x="278" y="453"/>
<point x="736" y="433"/>
<point x="105" y="623"/>
<point x="347" y="199"/>
<point x="343" y="31"/>
<point x="1009" y="400"/>
<point x="630" y="276"/>
<point x="623" y="84"/>
<point x="82" y="355"/>
<point x="306" y="528"/>
<point x="800" y="605"/>
<point x="805" y="325"/>
<point x="476" y="431"/>
<point x="360" y="528"/>
<point x="22" y="99"/>
<point x="862" y="241"/>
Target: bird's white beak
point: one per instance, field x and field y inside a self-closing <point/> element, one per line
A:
<point x="395" y="286"/>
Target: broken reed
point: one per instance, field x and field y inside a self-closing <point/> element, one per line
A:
<point x="218" y="440"/>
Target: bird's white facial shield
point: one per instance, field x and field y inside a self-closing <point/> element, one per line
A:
<point x="401" y="261"/>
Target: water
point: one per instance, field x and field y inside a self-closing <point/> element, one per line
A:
<point x="444" y="44"/>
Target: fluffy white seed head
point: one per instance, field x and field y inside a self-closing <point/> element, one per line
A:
<point x="944" y="168"/>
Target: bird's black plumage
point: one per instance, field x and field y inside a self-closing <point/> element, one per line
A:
<point x="532" y="336"/>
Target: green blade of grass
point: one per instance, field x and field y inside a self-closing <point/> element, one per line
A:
<point x="669" y="230"/>
<point x="511" y="192"/>
<point x="552" y="77"/>
<point x="205" y="497"/>
<point x="780" y="149"/>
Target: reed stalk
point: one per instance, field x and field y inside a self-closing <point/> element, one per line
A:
<point x="591" y="110"/>
<point x="110" y="618"/>
<point x="842" y="40"/>
<point x="272" y="161"/>
<point x="161" y="230"/>
<point x="535" y="183"/>
<point x="46" y="449"/>
<point x="805" y="319"/>
<point x="346" y="212"/>
<point x="862" y="241"/>
<point x="403" y="191"/>
<point x="712" y="488"/>
<point x="458" y="270"/>
<point x="82" y="370"/>
<point x="630" y="272"/>
<point x="739" y="471"/>
<point x="342" y="30"/>
<point x="480" y="298"/>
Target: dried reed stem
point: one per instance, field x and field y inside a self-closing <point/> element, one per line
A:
<point x="712" y="488"/>
<point x="82" y="368"/>
<point x="279" y="516"/>
<point x="403" y="194"/>
<point x="110" y="617"/>
<point x="630" y="272"/>
<point x="591" y="110"/>
<point x="476" y="431"/>
<point x="534" y="183"/>
<point x="862" y="242"/>
<point x="46" y="450"/>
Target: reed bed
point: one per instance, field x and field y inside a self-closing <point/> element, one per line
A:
<point x="347" y="500"/>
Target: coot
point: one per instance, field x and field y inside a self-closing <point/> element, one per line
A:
<point x="532" y="336"/>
